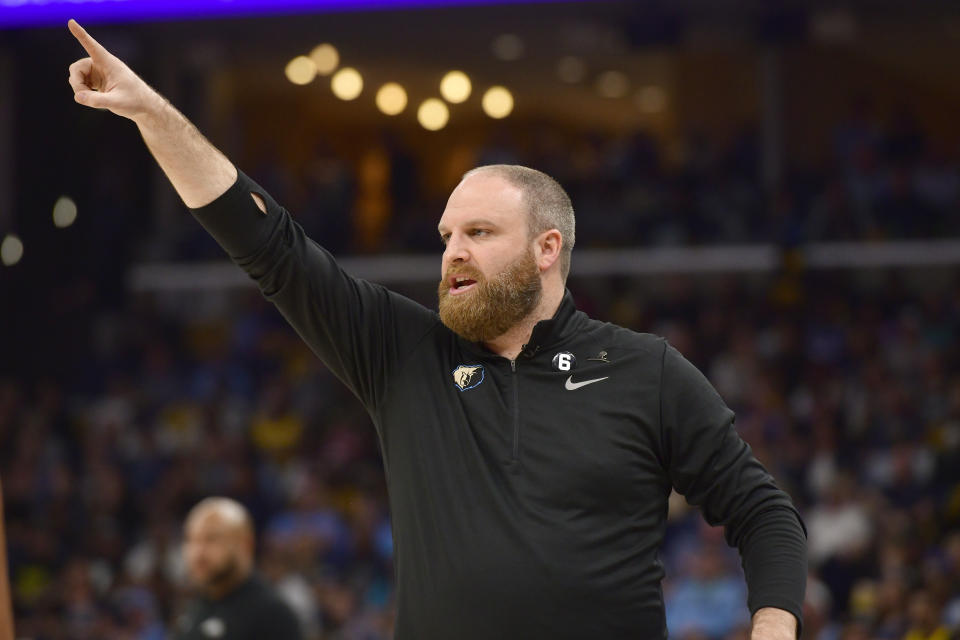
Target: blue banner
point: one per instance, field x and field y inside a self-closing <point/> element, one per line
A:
<point x="22" y="13"/>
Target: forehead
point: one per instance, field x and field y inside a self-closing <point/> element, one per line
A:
<point x="205" y="523"/>
<point x="484" y="197"/>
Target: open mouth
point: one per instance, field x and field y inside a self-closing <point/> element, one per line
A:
<point x="461" y="284"/>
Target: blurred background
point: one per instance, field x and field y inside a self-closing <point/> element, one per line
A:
<point x="773" y="186"/>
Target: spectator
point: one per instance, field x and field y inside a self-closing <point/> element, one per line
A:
<point x="232" y="602"/>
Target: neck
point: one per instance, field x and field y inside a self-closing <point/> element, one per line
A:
<point x="510" y="344"/>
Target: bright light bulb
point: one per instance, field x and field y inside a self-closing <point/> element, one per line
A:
<point x="433" y="114"/>
<point x="497" y="102"/>
<point x="347" y="83"/>
<point x="455" y="87"/>
<point x="391" y="99"/>
<point x="64" y="212"/>
<point x="301" y="70"/>
<point x="11" y="250"/>
<point x="325" y="58"/>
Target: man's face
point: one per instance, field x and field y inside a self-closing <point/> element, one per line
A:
<point x="490" y="278"/>
<point x="211" y="549"/>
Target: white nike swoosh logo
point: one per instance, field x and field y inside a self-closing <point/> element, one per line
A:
<point x="570" y="385"/>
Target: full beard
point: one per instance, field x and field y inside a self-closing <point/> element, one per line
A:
<point x="223" y="576"/>
<point x="495" y="305"/>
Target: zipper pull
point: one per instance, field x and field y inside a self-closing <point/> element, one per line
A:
<point x="513" y="366"/>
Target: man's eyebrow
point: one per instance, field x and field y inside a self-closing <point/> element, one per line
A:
<point x="475" y="222"/>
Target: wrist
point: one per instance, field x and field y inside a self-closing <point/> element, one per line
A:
<point x="770" y="623"/>
<point x="153" y="114"/>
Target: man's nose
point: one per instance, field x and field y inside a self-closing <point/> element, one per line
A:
<point x="455" y="252"/>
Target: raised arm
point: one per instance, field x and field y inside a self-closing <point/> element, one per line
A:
<point x="362" y="331"/>
<point x="197" y="169"/>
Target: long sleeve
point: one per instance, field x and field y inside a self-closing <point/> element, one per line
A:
<point x="716" y="470"/>
<point x="359" y="329"/>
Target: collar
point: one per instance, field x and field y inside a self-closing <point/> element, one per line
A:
<point x="561" y="326"/>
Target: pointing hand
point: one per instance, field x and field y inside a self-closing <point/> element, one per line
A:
<point x="103" y="81"/>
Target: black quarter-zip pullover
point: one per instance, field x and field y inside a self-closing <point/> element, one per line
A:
<point x="529" y="497"/>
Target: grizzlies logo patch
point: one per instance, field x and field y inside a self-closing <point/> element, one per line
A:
<point x="467" y="376"/>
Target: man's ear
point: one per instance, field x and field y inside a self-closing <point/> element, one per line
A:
<point x="547" y="249"/>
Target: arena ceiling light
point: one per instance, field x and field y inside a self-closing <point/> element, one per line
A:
<point x="391" y="99"/>
<point x="433" y="114"/>
<point x="455" y="87"/>
<point x="497" y="102"/>
<point x="11" y="250"/>
<point x="613" y="84"/>
<point x="347" y="83"/>
<point x="325" y="58"/>
<point x="64" y="212"/>
<point x="507" y="47"/>
<point x="301" y="70"/>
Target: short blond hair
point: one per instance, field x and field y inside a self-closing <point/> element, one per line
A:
<point x="548" y="205"/>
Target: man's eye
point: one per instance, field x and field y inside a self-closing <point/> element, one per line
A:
<point x="477" y="232"/>
<point x="444" y="238"/>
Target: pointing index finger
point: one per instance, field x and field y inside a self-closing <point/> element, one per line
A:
<point x="94" y="48"/>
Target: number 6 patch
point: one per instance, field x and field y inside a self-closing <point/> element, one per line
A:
<point x="564" y="361"/>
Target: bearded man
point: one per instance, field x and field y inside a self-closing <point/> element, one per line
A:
<point x="529" y="450"/>
<point x="231" y="601"/>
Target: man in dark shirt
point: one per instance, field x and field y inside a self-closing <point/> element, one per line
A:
<point x="529" y="450"/>
<point x="232" y="602"/>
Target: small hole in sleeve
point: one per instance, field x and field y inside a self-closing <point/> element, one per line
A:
<point x="258" y="200"/>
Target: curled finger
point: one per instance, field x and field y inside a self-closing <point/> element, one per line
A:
<point x="80" y="74"/>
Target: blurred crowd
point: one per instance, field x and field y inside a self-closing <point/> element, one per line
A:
<point x="848" y="391"/>
<point x="884" y="178"/>
<point x="99" y="471"/>
<point x="850" y="396"/>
